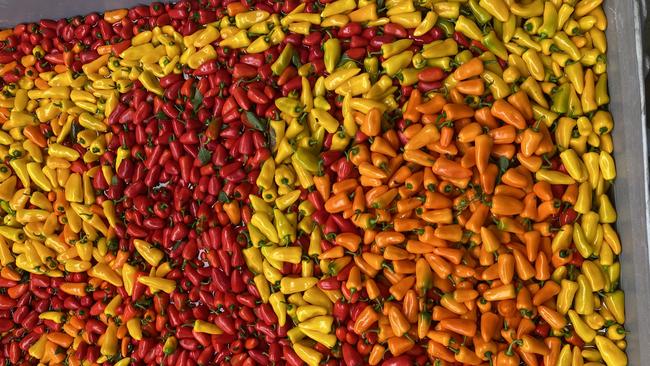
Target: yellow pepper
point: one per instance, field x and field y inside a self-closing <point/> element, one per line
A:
<point x="287" y="200"/>
<point x="565" y="297"/>
<point x="308" y="354"/>
<point x="574" y="165"/>
<point x="611" y="354"/>
<point x="134" y="326"/>
<point x="291" y="285"/>
<point x="323" y="118"/>
<point x="109" y="345"/>
<point x="279" y="305"/>
<point x="266" y="227"/>
<point x="262" y="287"/>
<point x="584" y="303"/>
<point x="152" y="255"/>
<point x="36" y="175"/>
<point x="106" y="273"/>
<point x="427" y="24"/>
<point x="553" y="177"/>
<point x="338" y="7"/>
<point x="606" y="210"/>
<point x="158" y="284"/>
<point x="328" y="340"/>
<point x="365" y="13"/>
<point x="438" y="49"/>
<point x="607" y="166"/>
<point x="582" y="329"/>
<point x="201" y="326"/>
<point x="253" y="258"/>
<point x="469" y="28"/>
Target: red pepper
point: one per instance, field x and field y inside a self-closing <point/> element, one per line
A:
<point x="240" y="97"/>
<point x="461" y="39"/>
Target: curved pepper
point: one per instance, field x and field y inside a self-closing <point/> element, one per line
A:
<point x="611" y="354"/>
<point x="279" y="305"/>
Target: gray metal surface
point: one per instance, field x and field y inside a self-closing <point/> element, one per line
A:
<point x="626" y="75"/>
<point x="18" y="11"/>
<point x="629" y="62"/>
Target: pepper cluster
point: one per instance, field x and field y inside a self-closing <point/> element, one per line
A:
<point x="329" y="182"/>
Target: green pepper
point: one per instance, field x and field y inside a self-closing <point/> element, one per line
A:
<point x="561" y="99"/>
<point x="283" y="60"/>
<point x="332" y="49"/>
<point x="492" y="42"/>
<point x="446" y="26"/>
<point x="441" y="62"/>
<point x="481" y="15"/>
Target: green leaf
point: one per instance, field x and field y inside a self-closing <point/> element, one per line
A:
<point x="295" y="60"/>
<point x="204" y="155"/>
<point x="161" y="116"/>
<point x="272" y="139"/>
<point x="197" y="100"/>
<point x="503" y="164"/>
<point x="344" y="59"/>
<point x="223" y="197"/>
<point x="255" y="122"/>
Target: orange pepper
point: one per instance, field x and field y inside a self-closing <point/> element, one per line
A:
<point x="366" y="319"/>
<point x="337" y="203"/>
<point x="400" y="345"/>
<point x="411" y="113"/>
<point x="349" y="241"/>
<point x="471" y="68"/>
<point x="520" y="101"/>
<point x="455" y="111"/>
<point x="471" y="87"/>
<point x="115" y="16"/>
<point x="506" y="112"/>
